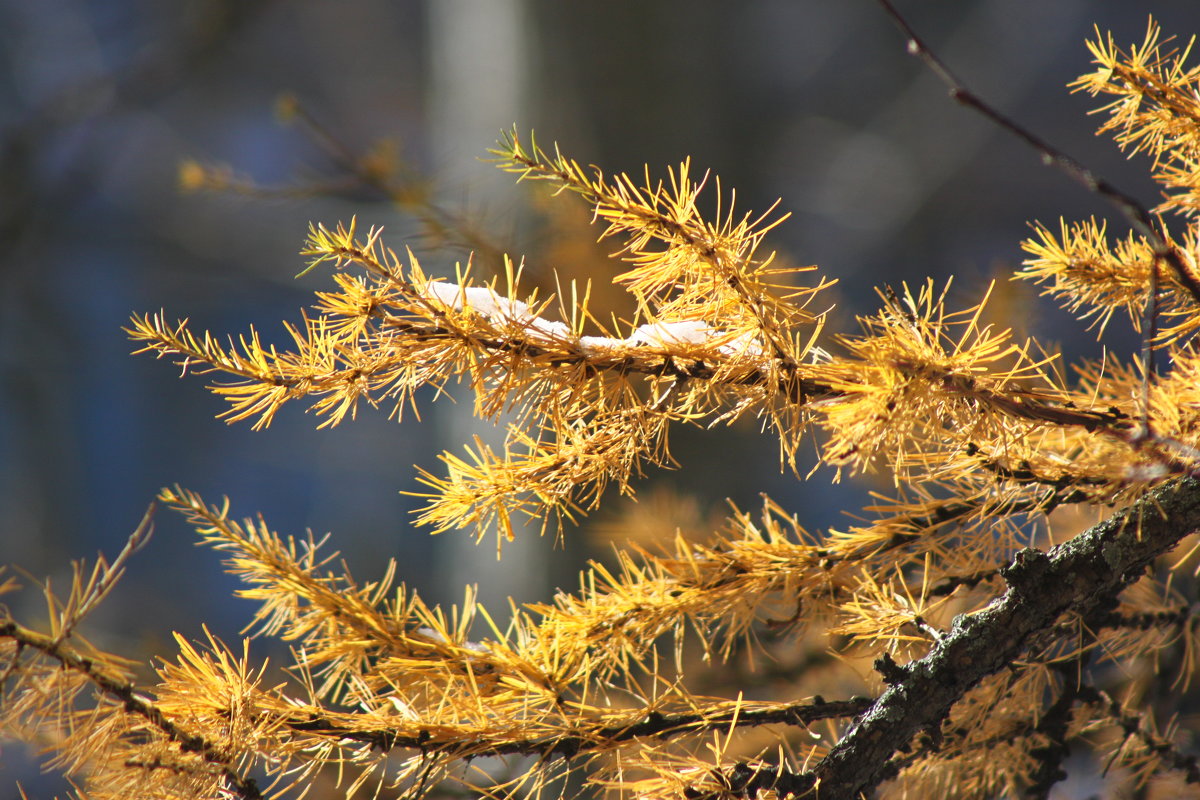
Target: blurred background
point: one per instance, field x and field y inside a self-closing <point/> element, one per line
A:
<point x="290" y="111"/>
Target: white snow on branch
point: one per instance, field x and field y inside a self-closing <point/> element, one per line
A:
<point x="664" y="335"/>
<point x="747" y="344"/>
<point x="482" y="299"/>
<point x="598" y="345"/>
<point x="549" y="329"/>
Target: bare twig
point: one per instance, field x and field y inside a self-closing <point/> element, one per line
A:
<point x="1135" y="213"/>
<point x="104" y="578"/>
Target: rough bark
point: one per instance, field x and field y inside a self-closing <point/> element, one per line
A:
<point x="1077" y="575"/>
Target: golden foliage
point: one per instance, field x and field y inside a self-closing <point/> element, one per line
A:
<point x="1155" y="108"/>
<point x="1154" y="111"/>
<point x="983" y="435"/>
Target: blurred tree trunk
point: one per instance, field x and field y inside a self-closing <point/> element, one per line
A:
<point x="480" y="84"/>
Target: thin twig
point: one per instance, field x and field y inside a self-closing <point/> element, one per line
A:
<point x="655" y="724"/>
<point x="1134" y="726"/>
<point x="1149" y="367"/>
<point x="1135" y="213"/>
<point x="105" y="577"/>
<point x="408" y="195"/>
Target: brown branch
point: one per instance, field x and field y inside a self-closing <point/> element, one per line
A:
<point x="1023" y="472"/>
<point x="798" y="389"/>
<point x="1136" y="214"/>
<point x="950" y="583"/>
<point x="1081" y="575"/>
<point x="921" y="525"/>
<point x="1054" y="728"/>
<point x="1075" y="576"/>
<point x="1144" y="620"/>
<point x="1133" y="725"/>
<point x="567" y="745"/>
<point x="133" y="702"/>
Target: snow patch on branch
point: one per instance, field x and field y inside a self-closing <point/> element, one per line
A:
<point x="665" y="334"/>
<point x="482" y="299"/>
<point x="489" y="303"/>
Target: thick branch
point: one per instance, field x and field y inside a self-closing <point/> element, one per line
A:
<point x="1075" y="576"/>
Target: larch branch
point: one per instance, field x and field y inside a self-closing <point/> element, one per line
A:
<point x="573" y="742"/>
<point x="133" y="702"/>
<point x="1075" y="576"/>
